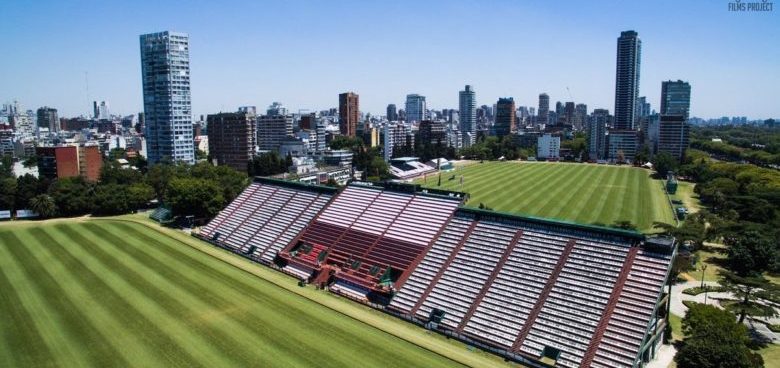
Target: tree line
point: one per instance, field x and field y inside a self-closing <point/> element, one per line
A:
<point x="741" y="210"/>
<point x="755" y="144"/>
<point x="201" y="190"/>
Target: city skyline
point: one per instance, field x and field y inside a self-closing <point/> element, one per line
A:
<point x="673" y="49"/>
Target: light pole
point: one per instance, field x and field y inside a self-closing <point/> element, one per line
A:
<point x="703" y="268"/>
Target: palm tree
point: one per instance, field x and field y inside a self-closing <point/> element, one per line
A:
<point x="43" y="205"/>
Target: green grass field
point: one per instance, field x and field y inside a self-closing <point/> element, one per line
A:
<point x="589" y="194"/>
<point x="115" y="293"/>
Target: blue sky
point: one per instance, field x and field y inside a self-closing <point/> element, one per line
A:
<point x="303" y="53"/>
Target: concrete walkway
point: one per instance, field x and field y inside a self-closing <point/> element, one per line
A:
<point x="663" y="357"/>
<point x="677" y="307"/>
<point x="713" y="298"/>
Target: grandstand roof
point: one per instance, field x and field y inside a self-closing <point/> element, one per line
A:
<point x="404" y="159"/>
<point x="296" y="185"/>
<point x="632" y="234"/>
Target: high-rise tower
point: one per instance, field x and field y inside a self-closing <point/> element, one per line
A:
<point x="468" y="114"/>
<point x="544" y="109"/>
<point x="349" y="113"/>
<point x="165" y="72"/>
<point x="629" y="53"/>
<point x="676" y="98"/>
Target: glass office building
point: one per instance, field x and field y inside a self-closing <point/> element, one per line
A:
<point x="165" y="69"/>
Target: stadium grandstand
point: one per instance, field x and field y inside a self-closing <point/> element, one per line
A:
<point x="578" y="295"/>
<point x="370" y="237"/>
<point x="265" y="217"/>
<point x="405" y="168"/>
<point x="541" y="292"/>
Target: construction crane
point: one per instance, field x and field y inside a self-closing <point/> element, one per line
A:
<point x="569" y="92"/>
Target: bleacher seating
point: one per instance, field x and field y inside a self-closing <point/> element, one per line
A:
<point x="634" y="309"/>
<point x="511" y="297"/>
<point x="528" y="287"/>
<point x="468" y="272"/>
<point x="266" y="217"/>
<point x="370" y="231"/>
<point x="525" y="285"/>
<point x="407" y="168"/>
<point x="161" y="215"/>
<point x="577" y="300"/>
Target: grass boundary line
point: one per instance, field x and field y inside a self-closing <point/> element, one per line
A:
<point x="229" y="261"/>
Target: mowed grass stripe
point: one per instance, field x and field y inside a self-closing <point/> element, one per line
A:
<point x="82" y="335"/>
<point x="158" y="347"/>
<point x="544" y="187"/>
<point x="115" y="293"/>
<point x="662" y="209"/>
<point x="222" y="314"/>
<point x="568" y="198"/>
<point x="585" y="195"/>
<point x="143" y="296"/>
<point x="264" y="316"/>
<point x="517" y="184"/>
<point x="547" y="199"/>
<point x="640" y="214"/>
<point x="23" y="345"/>
<point x="48" y="252"/>
<point x="620" y="194"/>
<point x="53" y="340"/>
<point x="267" y="311"/>
<point x="547" y="192"/>
<point x="513" y="177"/>
<point x="175" y="301"/>
<point x="598" y="200"/>
<point x="525" y="180"/>
<point x="576" y="192"/>
<point x="232" y="308"/>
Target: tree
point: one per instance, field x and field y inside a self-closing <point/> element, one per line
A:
<point x="73" y="196"/>
<point x="231" y="181"/>
<point x="715" y="339"/>
<point x="139" y="162"/>
<point x="345" y="142"/>
<point x="116" y="153"/>
<point x="378" y="167"/>
<point x="751" y="253"/>
<point x="161" y="174"/>
<point x="267" y="164"/>
<point x="642" y="155"/>
<point x="7" y="193"/>
<point x="750" y="291"/>
<point x="112" y="172"/>
<point x="198" y="197"/>
<point x="139" y="194"/>
<point x="578" y="146"/>
<point x="111" y="199"/>
<point x="43" y="205"/>
<point x="6" y="166"/>
<point x="693" y="229"/>
<point x="30" y="162"/>
<point x="663" y="162"/>
<point x="621" y="157"/>
<point x="27" y="187"/>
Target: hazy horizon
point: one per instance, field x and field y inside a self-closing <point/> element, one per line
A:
<point x="304" y="54"/>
